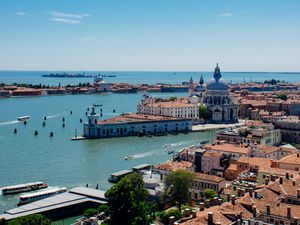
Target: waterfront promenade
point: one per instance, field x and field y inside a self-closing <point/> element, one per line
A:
<point x="207" y="127"/>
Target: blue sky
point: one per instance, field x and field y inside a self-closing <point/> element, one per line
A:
<point x="175" y="35"/>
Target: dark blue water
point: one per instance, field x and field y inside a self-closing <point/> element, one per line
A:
<point x="34" y="77"/>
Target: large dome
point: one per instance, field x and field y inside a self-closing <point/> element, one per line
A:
<point x="217" y="82"/>
<point x="216" y="85"/>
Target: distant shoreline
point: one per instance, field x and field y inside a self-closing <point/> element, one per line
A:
<point x="154" y="71"/>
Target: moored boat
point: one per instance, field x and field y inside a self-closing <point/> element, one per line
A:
<point x="19" y="188"/>
<point x="23" y="118"/>
<point x="27" y="198"/>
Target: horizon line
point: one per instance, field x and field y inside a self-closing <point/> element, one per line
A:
<point x="171" y="71"/>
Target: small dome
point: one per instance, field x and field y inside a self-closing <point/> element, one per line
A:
<point x="216" y="85"/>
<point x="199" y="88"/>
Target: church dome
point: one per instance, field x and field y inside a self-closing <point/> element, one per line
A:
<point x="217" y="83"/>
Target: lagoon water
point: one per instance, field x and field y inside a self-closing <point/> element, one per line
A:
<point x="65" y="163"/>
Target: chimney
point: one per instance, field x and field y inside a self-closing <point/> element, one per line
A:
<point x="281" y="180"/>
<point x="266" y="181"/>
<point x="273" y="178"/>
<point x="201" y="206"/>
<point x="172" y="220"/>
<point x="210" y="218"/>
<point x="298" y="193"/>
<point x="254" y="210"/>
<point x="292" y="175"/>
<point x="228" y="197"/>
<point x="268" y="209"/>
<point x="288" y="212"/>
<point x="233" y="199"/>
<point x="251" y="192"/>
<point x="287" y="175"/>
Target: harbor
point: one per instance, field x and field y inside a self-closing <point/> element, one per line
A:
<point x="74" y="163"/>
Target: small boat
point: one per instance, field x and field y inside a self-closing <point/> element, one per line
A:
<point x="128" y="157"/>
<point x="23" y="118"/>
<point x="168" y="145"/>
<point x="171" y="152"/>
<point x="204" y="142"/>
<point x="19" y="188"/>
<point x="24" y="199"/>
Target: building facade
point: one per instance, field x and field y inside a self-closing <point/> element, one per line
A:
<point x="180" y="108"/>
<point x="133" y="124"/>
<point x="215" y="96"/>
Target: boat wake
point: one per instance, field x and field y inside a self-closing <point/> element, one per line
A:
<point x="9" y="122"/>
<point x="55" y="115"/>
<point x="145" y="154"/>
<point x="159" y="151"/>
<point x="177" y="144"/>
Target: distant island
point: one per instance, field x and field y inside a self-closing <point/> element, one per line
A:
<point x="70" y="75"/>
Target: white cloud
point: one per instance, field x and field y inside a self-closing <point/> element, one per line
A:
<point x="64" y="20"/>
<point x="22" y="13"/>
<point x="85" y="39"/>
<point x="227" y="14"/>
<point x="68" y="15"/>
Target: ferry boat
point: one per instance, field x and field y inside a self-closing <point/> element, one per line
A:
<point x="24" y="199"/>
<point x="19" y="188"/>
<point x="23" y="118"/>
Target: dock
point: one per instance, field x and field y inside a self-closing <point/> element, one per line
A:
<point x="78" y="138"/>
<point x="208" y="127"/>
<point x="67" y="204"/>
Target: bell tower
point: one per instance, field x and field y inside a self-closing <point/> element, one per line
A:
<point x="191" y="87"/>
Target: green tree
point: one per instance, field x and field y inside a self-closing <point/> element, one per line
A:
<point x="165" y="216"/>
<point x="36" y="219"/>
<point x="172" y="98"/>
<point x="204" y="113"/>
<point x="209" y="193"/>
<point x="177" y="186"/>
<point x="103" y="208"/>
<point x="90" y="212"/>
<point x="282" y="96"/>
<point x="127" y="201"/>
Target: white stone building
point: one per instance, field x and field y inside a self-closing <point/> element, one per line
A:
<point x="216" y="97"/>
<point x="181" y="108"/>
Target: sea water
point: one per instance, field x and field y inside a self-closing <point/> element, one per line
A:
<point x="61" y="162"/>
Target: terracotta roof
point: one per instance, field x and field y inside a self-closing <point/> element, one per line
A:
<point x="212" y="178"/>
<point x="232" y="167"/>
<point x="174" y="166"/>
<point x="291" y="159"/>
<point x="132" y="118"/>
<point x="262" y="163"/>
<point x="267" y="149"/>
<point x="230" y="148"/>
<point x="212" y="154"/>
